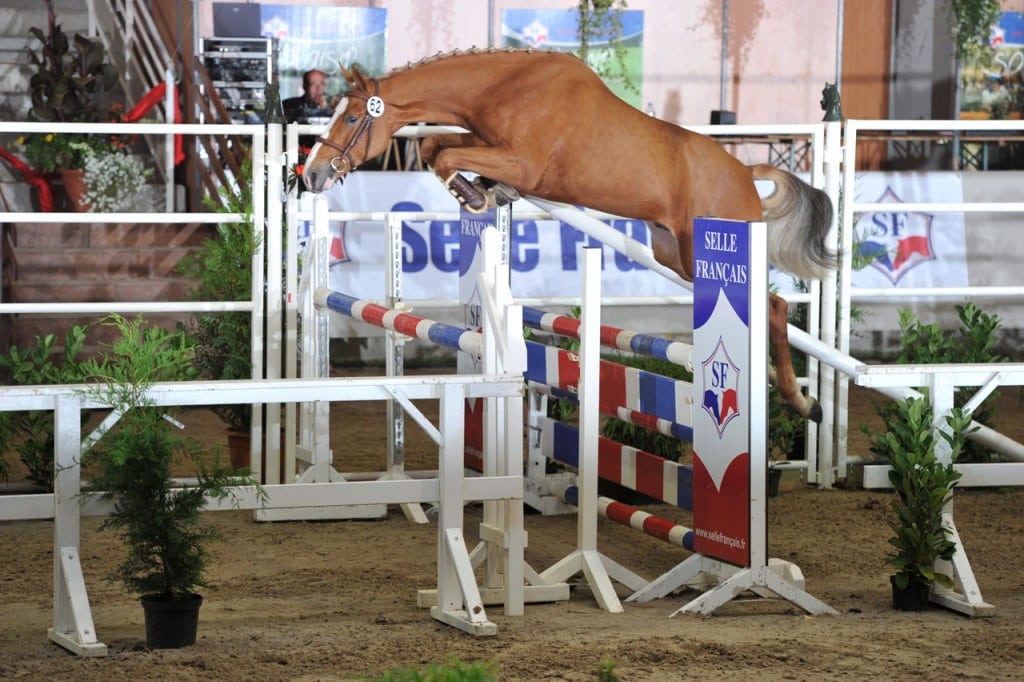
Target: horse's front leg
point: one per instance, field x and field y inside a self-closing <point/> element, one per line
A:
<point x="505" y="174"/>
<point x="784" y="376"/>
<point x="467" y="194"/>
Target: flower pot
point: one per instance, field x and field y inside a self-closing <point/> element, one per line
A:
<point x="239" y="451"/>
<point x="239" y="447"/>
<point x="74" y="187"/>
<point x="171" y="623"/>
<point x="912" y="598"/>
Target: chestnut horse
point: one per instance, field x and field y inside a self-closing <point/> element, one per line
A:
<point x="543" y="124"/>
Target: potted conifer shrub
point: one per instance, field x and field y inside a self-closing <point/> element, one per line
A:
<point x="131" y="465"/>
<point x="923" y="486"/>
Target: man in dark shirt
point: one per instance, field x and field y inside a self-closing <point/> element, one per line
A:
<point x="313" y="101"/>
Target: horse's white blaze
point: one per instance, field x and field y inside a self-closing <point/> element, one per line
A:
<point x="338" y="111"/>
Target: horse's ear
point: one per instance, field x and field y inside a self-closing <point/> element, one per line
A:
<point x="346" y="74"/>
<point x="359" y="78"/>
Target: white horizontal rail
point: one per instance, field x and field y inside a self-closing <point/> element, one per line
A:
<point x="958" y="374"/>
<point x="411" y="304"/>
<point x="901" y="125"/>
<point x="989" y="474"/>
<point x="151" y="217"/>
<point x="244" y="391"/>
<point x="38" y="506"/>
<point x="938" y="207"/>
<point x="381" y="216"/>
<point x="232" y="129"/>
<point x="883" y="294"/>
<point x="101" y="307"/>
<point x="754" y="129"/>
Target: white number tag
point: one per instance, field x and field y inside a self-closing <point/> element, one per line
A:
<point x="375" y="106"/>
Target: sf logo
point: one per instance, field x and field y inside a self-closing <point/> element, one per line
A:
<point x="721" y="384"/>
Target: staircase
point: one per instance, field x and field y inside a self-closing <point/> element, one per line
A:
<point x="59" y="262"/>
<point x="16" y="18"/>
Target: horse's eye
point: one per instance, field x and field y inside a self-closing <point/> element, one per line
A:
<point x="352" y="119"/>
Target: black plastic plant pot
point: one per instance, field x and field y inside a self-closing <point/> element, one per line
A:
<point x="171" y="623"/>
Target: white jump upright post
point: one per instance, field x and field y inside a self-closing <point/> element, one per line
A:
<point x="394" y="361"/>
<point x="73" y="626"/>
<point x="313" y="454"/>
<point x="597" y="568"/>
<point x="492" y="445"/>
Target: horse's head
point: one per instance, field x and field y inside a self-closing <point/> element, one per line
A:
<point x="358" y="131"/>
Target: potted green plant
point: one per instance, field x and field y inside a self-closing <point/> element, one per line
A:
<point x="923" y="486"/>
<point x="599" y="30"/>
<point x="221" y="270"/>
<point x="970" y="23"/>
<point x="131" y="465"/>
<point x="785" y="430"/>
<point x="70" y="82"/>
<point x="115" y="181"/>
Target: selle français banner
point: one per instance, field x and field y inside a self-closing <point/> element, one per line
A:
<point x="905" y="248"/>
<point x="546" y="255"/>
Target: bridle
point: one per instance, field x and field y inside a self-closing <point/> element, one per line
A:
<point x="374" y="108"/>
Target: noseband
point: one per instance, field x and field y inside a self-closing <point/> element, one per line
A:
<point x="374" y="108"/>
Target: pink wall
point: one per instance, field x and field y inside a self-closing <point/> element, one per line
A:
<point x="781" y="52"/>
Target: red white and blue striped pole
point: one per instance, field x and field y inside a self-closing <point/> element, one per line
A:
<point x="628" y="515"/>
<point x="676" y="352"/>
<point x="403" y="323"/>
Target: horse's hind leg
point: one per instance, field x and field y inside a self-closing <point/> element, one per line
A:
<point x="497" y="193"/>
<point x="785" y="377"/>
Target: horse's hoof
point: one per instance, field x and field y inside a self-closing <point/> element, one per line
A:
<point x="502" y="194"/>
<point x="468" y="195"/>
<point x="476" y="205"/>
<point x="814" y="411"/>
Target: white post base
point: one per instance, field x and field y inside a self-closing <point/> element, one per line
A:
<point x="735" y="581"/>
<point x="79" y="634"/>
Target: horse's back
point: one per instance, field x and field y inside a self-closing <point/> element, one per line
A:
<point x="597" y="149"/>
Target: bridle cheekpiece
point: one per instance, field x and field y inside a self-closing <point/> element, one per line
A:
<point x="374" y="108"/>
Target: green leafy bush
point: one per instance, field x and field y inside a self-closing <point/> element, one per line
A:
<point x="32" y="431"/>
<point x="923" y="486"/>
<point x="454" y="671"/>
<point x="222" y="271"/>
<point x="924" y="344"/>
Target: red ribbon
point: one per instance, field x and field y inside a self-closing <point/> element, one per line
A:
<point x="150" y="100"/>
<point x="33" y="177"/>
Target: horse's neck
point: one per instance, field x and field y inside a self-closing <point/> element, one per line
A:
<point x="423" y="99"/>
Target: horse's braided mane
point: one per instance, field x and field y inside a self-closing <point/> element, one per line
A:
<point x="471" y="51"/>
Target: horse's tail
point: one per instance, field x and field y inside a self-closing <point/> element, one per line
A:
<point x="799" y="217"/>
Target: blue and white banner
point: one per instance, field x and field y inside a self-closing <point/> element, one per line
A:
<point x="546" y="255"/>
<point x="321" y="38"/>
<point x="909" y="248"/>
<point x="558" y="29"/>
